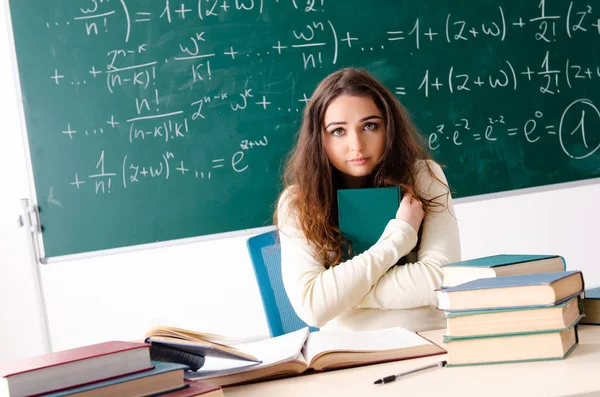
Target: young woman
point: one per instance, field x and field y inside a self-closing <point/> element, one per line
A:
<point x="356" y="134"/>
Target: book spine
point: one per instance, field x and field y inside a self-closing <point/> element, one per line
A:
<point x="564" y="263"/>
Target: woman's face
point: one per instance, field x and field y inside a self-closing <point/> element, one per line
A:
<point x="354" y="137"/>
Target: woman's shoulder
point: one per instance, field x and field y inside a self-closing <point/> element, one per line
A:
<point x="430" y="180"/>
<point x="285" y="212"/>
<point x="286" y="196"/>
<point x="424" y="169"/>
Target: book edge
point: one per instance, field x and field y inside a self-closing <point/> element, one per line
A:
<point x="450" y="338"/>
<point x="567" y="273"/>
<point x="133" y="346"/>
<point x="539" y="258"/>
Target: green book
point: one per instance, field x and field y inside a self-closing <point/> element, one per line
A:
<point x="363" y="214"/>
<point x="503" y="322"/>
<point x="452" y="338"/>
<point x="540" y="346"/>
<point x="500" y="265"/>
<point x="163" y="378"/>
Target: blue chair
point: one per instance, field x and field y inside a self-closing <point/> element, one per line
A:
<point x="265" y="254"/>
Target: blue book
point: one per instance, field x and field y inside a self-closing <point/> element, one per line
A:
<point x="593" y="293"/>
<point x="500" y="265"/>
<point x="165" y="377"/>
<point x="591" y="306"/>
<point x="363" y="214"/>
<point x="526" y="290"/>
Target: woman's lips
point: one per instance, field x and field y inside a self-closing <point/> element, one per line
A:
<point x="359" y="160"/>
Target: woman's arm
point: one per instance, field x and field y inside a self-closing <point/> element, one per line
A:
<point x="318" y="294"/>
<point x="413" y="284"/>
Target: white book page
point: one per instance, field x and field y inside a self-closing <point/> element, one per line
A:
<point x="270" y="351"/>
<point x="385" y="339"/>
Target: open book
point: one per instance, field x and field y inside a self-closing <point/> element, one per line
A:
<point x="301" y="351"/>
<point x="191" y="348"/>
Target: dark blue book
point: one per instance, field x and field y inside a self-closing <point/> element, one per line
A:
<point x="500" y="265"/>
<point x="526" y="290"/>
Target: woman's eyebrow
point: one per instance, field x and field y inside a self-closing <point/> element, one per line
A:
<point x="373" y="116"/>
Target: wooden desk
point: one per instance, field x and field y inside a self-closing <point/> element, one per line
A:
<point x="578" y="375"/>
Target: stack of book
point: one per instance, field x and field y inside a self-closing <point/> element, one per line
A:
<point x="503" y="319"/>
<point x="109" y="369"/>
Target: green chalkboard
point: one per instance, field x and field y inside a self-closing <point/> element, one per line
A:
<point x="154" y="120"/>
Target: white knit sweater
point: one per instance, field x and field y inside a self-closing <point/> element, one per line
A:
<point x="368" y="291"/>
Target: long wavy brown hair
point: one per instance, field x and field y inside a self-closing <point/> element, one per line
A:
<point x="312" y="182"/>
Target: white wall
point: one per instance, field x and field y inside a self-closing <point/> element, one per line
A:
<point x="210" y="286"/>
<point x="20" y="330"/>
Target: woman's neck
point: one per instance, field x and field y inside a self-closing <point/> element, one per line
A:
<point x="351" y="182"/>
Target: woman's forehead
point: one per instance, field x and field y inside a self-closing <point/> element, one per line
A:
<point x="349" y="108"/>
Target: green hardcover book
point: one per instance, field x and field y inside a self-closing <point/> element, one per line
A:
<point x="502" y="322"/>
<point x="363" y="214"/>
<point x="500" y="265"/>
<point x="163" y="378"/>
<point x="539" y="346"/>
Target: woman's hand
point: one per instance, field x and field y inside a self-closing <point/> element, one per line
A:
<point x="411" y="211"/>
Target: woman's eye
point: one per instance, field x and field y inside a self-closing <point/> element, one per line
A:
<point x="371" y="126"/>
<point x="337" y="132"/>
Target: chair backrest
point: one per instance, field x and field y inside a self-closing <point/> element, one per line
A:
<point x="265" y="254"/>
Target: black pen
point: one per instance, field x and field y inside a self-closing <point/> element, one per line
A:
<point x="392" y="378"/>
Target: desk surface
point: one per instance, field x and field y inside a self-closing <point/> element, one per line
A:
<point x="577" y="375"/>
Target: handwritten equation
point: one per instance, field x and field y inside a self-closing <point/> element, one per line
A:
<point x="577" y="139"/>
<point x="167" y="165"/>
<point x="227" y="77"/>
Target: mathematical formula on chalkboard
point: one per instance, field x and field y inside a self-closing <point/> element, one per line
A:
<point x="313" y="44"/>
<point x="204" y="97"/>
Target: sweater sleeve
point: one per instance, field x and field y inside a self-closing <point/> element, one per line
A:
<point x="318" y="294"/>
<point x="413" y="284"/>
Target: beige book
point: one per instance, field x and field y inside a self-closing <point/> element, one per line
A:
<point x="300" y="351"/>
<point x="513" y="348"/>
<point x="509" y="321"/>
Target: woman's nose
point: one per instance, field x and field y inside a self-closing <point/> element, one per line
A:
<point x="355" y="140"/>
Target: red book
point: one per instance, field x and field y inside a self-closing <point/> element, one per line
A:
<point x="74" y="367"/>
<point x="197" y="388"/>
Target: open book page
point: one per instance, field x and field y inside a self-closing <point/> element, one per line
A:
<point x="192" y="336"/>
<point x="325" y="349"/>
<point x="273" y="351"/>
